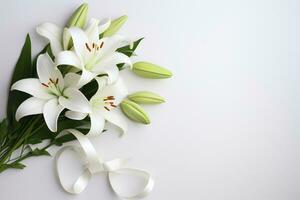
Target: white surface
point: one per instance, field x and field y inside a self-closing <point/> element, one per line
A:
<point x="230" y="128"/>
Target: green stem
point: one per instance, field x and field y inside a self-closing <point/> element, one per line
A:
<point x="6" y="166"/>
<point x="6" y="141"/>
<point x="29" y="126"/>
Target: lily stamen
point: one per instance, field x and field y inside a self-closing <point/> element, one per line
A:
<point x="113" y="105"/>
<point x="101" y="45"/>
<point x="109" y="102"/>
<point x="109" y="98"/>
<point x="53" y="86"/>
<point x="45" y="85"/>
<point x="87" y="46"/>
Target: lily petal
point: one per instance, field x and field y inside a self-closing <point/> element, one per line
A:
<point x="116" y="119"/>
<point x="97" y="123"/>
<point x="51" y="112"/>
<point x="54" y="34"/>
<point x="85" y="78"/>
<point x="30" y="106"/>
<point x="118" y="90"/>
<point x="68" y="58"/>
<point x="75" y="115"/>
<point x="112" y="60"/>
<point x="71" y="80"/>
<point x="102" y="82"/>
<point x="112" y="73"/>
<point x="33" y="87"/>
<point x="74" y="101"/>
<point x="92" y="30"/>
<point x="111" y="44"/>
<point x="47" y="72"/>
<point x="80" y="40"/>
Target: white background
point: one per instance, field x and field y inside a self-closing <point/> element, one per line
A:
<point x="230" y="127"/>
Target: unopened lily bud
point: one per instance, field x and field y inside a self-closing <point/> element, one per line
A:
<point x="134" y="112"/>
<point x="78" y="18"/>
<point x="149" y="70"/>
<point x="115" y="26"/>
<point x="146" y="98"/>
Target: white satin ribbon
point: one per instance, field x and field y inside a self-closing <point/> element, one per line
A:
<point x="94" y="164"/>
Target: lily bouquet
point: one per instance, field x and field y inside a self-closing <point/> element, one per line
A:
<point x="73" y="83"/>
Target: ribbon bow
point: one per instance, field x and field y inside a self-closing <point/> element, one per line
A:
<point x="94" y="164"/>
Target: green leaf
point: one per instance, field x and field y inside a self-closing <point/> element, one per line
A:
<point x="128" y="51"/>
<point x="23" y="69"/>
<point x="44" y="133"/>
<point x="3" y="129"/>
<point x="40" y="152"/>
<point x="89" y="89"/>
<point x="34" y="140"/>
<point x="40" y="134"/>
<point x="17" y="165"/>
<point x="63" y="139"/>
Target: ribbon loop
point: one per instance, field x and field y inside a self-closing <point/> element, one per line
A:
<point x="149" y="182"/>
<point x="80" y="184"/>
<point x="93" y="164"/>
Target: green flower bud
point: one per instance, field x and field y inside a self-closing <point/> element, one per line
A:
<point x="149" y="70"/>
<point x="115" y="26"/>
<point x="146" y="98"/>
<point x="79" y="16"/>
<point x="134" y="112"/>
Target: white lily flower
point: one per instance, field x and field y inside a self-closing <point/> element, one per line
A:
<point x="51" y="93"/>
<point x="94" y="56"/>
<point x="103" y="106"/>
<point x="59" y="38"/>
